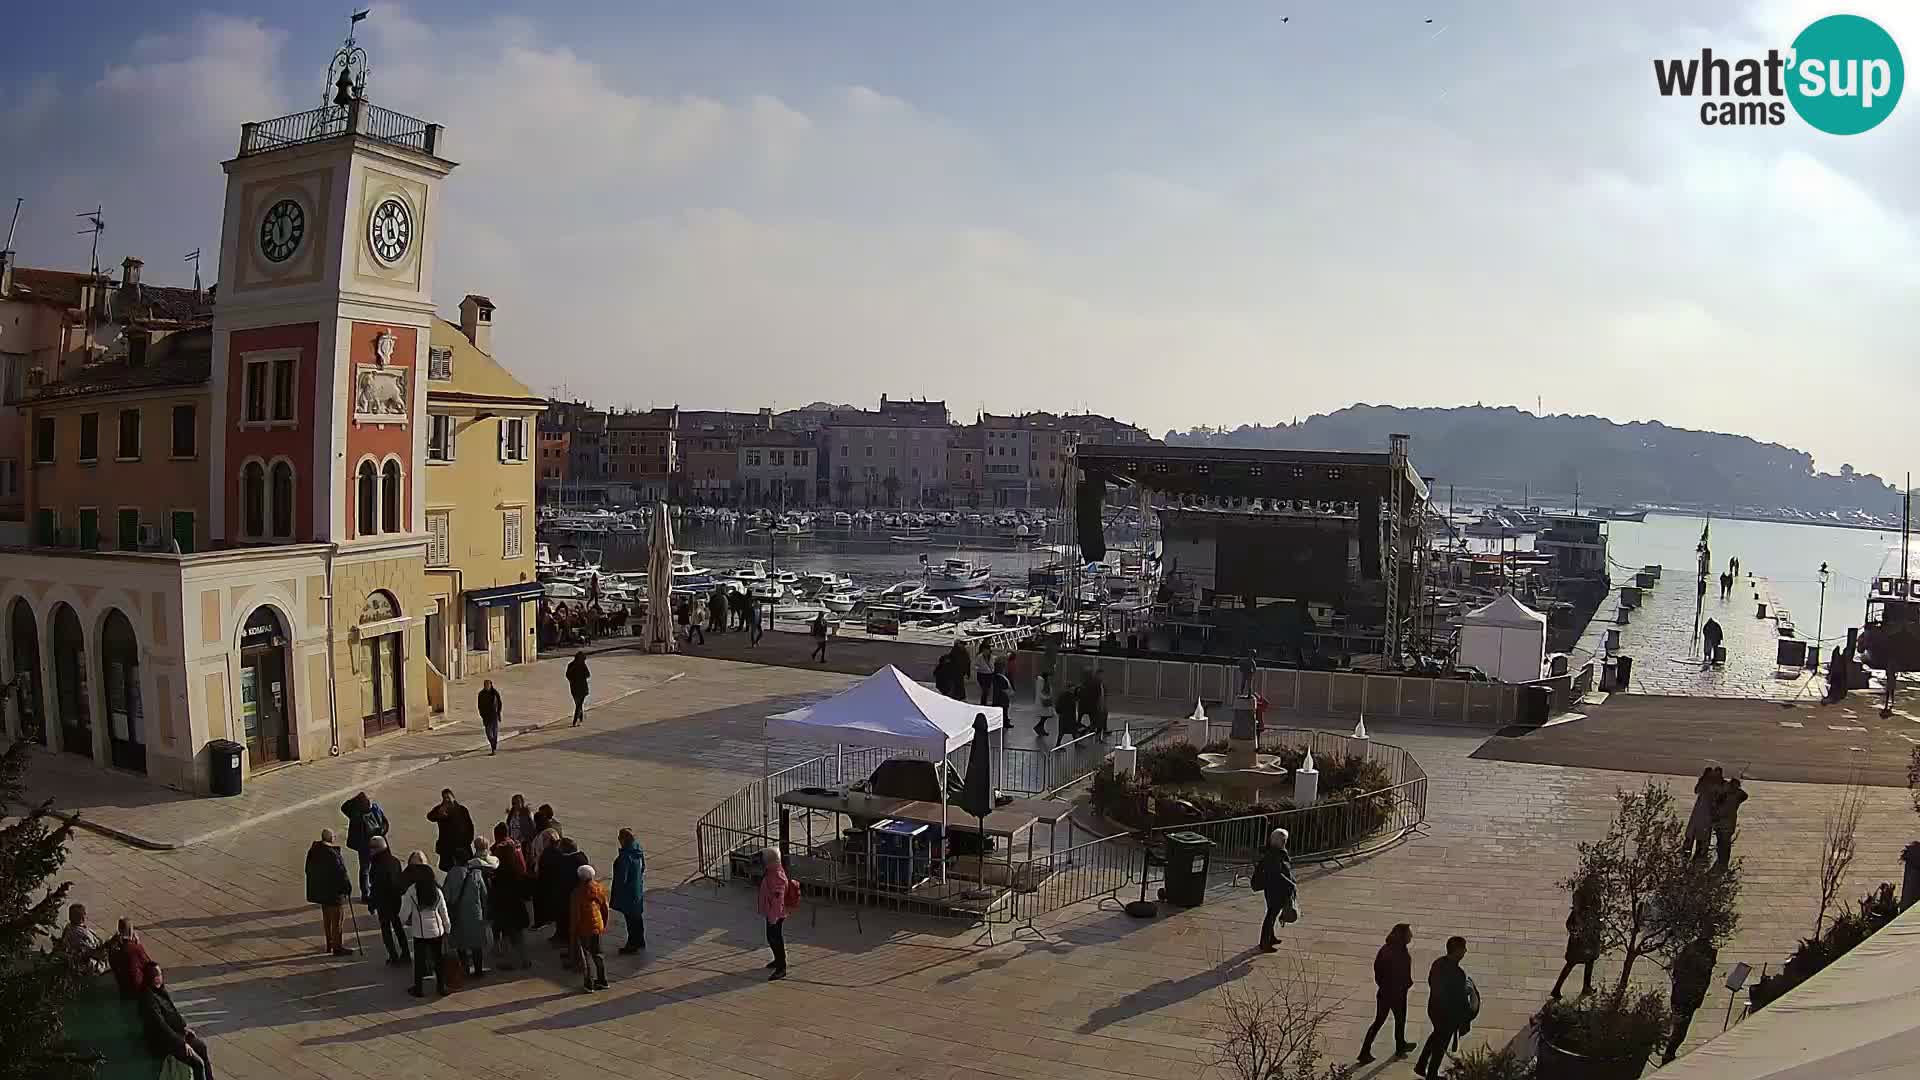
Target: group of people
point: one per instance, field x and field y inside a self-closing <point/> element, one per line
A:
<point x="1715" y="816"/>
<point x="1079" y="708"/>
<point x="722" y="610"/>
<point x="578" y="623"/>
<point x="140" y="982"/>
<point x="1453" y="1002"/>
<point x="485" y="895"/>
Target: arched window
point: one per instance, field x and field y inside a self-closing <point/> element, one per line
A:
<point x="282" y="500"/>
<point x="390" y="498"/>
<point x="253" y="499"/>
<point x="368" y="499"/>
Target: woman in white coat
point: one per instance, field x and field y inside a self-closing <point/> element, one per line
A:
<point x="423" y="911"/>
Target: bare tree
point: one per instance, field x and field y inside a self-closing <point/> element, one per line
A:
<point x="1837" y="848"/>
<point x="1273" y="1028"/>
<point x="1650" y="898"/>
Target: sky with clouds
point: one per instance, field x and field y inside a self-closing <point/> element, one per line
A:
<point x="1179" y="214"/>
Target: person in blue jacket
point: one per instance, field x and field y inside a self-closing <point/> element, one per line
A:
<point x="629" y="891"/>
<point x="365" y="820"/>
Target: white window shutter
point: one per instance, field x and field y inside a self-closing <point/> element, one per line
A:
<point x="453" y="430"/>
<point x="503" y="440"/>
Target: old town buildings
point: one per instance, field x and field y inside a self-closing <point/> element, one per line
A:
<point x="283" y="515"/>
<point x="903" y="453"/>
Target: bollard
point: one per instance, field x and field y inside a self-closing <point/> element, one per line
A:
<point x="1125" y="754"/>
<point x="1360" y="729"/>
<point x="1306" y="782"/>
<point x="1197" y="724"/>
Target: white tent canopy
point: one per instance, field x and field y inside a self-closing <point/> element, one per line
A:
<point x="1857" y="1019"/>
<point x="886" y="709"/>
<point x="1506" y="639"/>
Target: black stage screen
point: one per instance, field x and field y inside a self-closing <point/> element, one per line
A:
<point x="1282" y="559"/>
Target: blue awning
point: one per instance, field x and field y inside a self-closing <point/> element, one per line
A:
<point x="504" y="595"/>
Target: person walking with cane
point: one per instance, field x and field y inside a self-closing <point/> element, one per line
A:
<point x="329" y="887"/>
<point x="490" y="715"/>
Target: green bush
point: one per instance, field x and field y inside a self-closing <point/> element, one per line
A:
<point x="1593" y="1027"/>
<point x="1483" y="1062"/>
<point x="1166" y="766"/>
<point x="1876" y="910"/>
<point x="1352" y="805"/>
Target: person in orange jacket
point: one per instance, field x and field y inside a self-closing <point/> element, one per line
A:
<point x="586" y="921"/>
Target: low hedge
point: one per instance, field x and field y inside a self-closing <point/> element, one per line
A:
<point x="1848" y="929"/>
<point x="1167" y="791"/>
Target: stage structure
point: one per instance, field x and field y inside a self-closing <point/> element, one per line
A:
<point x="1259" y="545"/>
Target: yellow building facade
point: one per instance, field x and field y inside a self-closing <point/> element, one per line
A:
<point x="480" y="506"/>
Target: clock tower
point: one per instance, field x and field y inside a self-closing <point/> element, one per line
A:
<point x="319" y="365"/>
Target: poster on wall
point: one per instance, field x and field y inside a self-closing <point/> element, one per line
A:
<point x="250" y="700"/>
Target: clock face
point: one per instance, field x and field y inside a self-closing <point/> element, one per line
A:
<point x="390" y="230"/>
<point x="281" y="230"/>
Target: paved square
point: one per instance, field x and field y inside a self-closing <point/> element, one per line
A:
<point x="1106" y="996"/>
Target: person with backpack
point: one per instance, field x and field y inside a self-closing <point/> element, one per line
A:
<point x="467" y="888"/>
<point x="1392" y="978"/>
<point x="1452" y="1004"/>
<point x="779" y="895"/>
<point x="365" y="820"/>
<point x="1273" y="875"/>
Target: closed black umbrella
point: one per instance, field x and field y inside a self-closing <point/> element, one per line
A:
<point x="976" y="795"/>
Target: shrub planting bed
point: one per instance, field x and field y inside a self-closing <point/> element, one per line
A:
<point x="1168" y="791"/>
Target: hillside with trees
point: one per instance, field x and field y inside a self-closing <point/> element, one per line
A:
<point x="1505" y="452"/>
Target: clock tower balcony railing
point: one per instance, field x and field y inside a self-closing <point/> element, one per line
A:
<point x="332" y="121"/>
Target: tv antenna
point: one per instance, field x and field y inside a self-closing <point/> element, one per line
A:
<point x="194" y="258"/>
<point x="96" y="224"/>
<point x="15" y="224"/>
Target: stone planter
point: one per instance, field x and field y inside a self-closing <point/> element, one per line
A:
<point x="1556" y="1063"/>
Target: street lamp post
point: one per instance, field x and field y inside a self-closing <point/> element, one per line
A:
<point x="1820" y="624"/>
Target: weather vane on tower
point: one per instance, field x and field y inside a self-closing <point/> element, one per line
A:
<point x="347" y="75"/>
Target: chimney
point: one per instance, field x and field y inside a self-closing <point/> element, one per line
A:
<point x="476" y="321"/>
<point x="6" y="274"/>
<point x="130" y="272"/>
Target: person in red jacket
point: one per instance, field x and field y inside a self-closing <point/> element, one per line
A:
<point x="1392" y="978"/>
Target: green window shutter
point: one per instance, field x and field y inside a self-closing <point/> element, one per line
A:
<point x="45" y="526"/>
<point x="129" y="530"/>
<point x="90" y="529"/>
<point x="183" y="530"/>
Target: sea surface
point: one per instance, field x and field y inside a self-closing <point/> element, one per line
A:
<point x="1787" y="555"/>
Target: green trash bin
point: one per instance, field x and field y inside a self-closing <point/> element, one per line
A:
<point x="1188" y="857"/>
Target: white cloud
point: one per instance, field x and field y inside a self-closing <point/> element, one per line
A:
<point x="1547" y="227"/>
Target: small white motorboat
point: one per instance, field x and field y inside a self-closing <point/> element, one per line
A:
<point x="957" y="575"/>
<point x="901" y="593"/>
<point x="928" y="606"/>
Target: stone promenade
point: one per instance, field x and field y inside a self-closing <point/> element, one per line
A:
<point x="1104" y="996"/>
